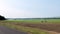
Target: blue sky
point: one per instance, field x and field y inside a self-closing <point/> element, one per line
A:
<point x="29" y="8"/>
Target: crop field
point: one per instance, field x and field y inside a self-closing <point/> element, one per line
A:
<point x="34" y="26"/>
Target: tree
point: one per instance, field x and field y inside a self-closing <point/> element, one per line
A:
<point x="2" y="18"/>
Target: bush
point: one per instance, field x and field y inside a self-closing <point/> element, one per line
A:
<point x="2" y="18"/>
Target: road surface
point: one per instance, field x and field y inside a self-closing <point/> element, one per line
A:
<point x="5" y="30"/>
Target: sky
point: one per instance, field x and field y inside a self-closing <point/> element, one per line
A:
<point x="29" y="8"/>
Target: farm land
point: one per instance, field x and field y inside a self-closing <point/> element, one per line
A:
<point x="36" y="26"/>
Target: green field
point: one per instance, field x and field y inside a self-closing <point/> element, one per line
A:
<point x="28" y="29"/>
<point x="37" y="21"/>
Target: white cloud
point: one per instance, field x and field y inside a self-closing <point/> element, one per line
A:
<point x="14" y="13"/>
<point x="10" y="12"/>
<point x="3" y="8"/>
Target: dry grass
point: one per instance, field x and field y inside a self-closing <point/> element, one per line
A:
<point x="22" y="28"/>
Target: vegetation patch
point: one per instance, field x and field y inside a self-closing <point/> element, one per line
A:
<point x="33" y="26"/>
<point x="22" y="28"/>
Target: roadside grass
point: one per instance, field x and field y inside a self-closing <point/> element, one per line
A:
<point x="25" y="29"/>
<point x="30" y="30"/>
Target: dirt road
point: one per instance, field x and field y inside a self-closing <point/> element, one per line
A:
<point x="5" y="30"/>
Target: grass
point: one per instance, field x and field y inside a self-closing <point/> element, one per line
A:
<point x="36" y="21"/>
<point x="25" y="29"/>
<point x="28" y="29"/>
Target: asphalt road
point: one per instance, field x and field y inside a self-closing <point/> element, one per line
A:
<point x="5" y="30"/>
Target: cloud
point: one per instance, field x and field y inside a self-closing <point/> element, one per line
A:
<point x="10" y="12"/>
<point x="14" y="13"/>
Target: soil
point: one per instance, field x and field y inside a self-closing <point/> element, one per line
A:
<point x="48" y="27"/>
